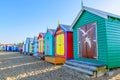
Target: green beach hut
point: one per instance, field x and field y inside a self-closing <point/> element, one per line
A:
<point x="96" y="40"/>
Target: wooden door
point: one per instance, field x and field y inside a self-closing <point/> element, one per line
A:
<point x="82" y="44"/>
<point x="47" y="47"/>
<point x="57" y="44"/>
<point x="91" y="47"/>
<point x="60" y="44"/>
<point x="87" y="41"/>
<point x="41" y="46"/>
<point x="30" y="47"/>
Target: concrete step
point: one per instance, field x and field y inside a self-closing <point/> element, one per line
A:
<point x="85" y="71"/>
<point x="81" y="65"/>
<point x="89" y="68"/>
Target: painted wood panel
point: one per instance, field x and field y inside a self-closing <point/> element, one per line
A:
<point x="49" y="44"/>
<point x="87" y="41"/>
<point x="60" y="44"/>
<point x="31" y="47"/>
<point x="70" y="45"/>
<point x="113" y="42"/>
<point x="41" y="46"/>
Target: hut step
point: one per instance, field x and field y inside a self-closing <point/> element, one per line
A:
<point x="88" y="63"/>
<point x="90" y="73"/>
<point x="91" y="68"/>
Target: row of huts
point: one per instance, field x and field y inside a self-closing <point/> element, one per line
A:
<point x="11" y="48"/>
<point x="92" y="41"/>
<point x="55" y="42"/>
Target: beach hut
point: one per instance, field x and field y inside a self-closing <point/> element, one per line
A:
<point x="1" y="47"/>
<point x="64" y="42"/>
<point x="9" y="48"/>
<point x="15" y="48"/>
<point x="4" y="48"/>
<point x="63" y="45"/>
<point x="49" y="42"/>
<point x="24" y="48"/>
<point x="35" y="46"/>
<point x="96" y="39"/>
<point x="28" y="46"/>
<point x="21" y="49"/>
<point x="41" y="44"/>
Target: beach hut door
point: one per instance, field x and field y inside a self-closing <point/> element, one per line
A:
<point x="87" y="41"/>
<point x="48" y="47"/>
<point x="41" y="46"/>
<point x="60" y="44"/>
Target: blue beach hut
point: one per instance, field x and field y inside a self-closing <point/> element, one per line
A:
<point x="35" y="46"/>
<point x="49" y="42"/>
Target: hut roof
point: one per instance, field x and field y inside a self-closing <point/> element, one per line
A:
<point x="100" y="13"/>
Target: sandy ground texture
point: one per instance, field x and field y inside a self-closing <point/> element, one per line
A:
<point x="16" y="66"/>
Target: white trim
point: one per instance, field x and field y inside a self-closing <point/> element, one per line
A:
<point x="78" y="42"/>
<point x="96" y="40"/>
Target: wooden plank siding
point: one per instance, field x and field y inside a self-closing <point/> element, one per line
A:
<point x="87" y="18"/>
<point x="113" y="42"/>
<point x="49" y="37"/>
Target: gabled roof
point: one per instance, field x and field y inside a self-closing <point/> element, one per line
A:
<point x="66" y="28"/>
<point x="41" y="34"/>
<point x="29" y="40"/>
<point x="35" y="38"/>
<point x="52" y="31"/>
<point x="100" y="13"/>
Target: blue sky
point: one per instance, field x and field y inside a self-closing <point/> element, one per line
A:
<point x="27" y="18"/>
